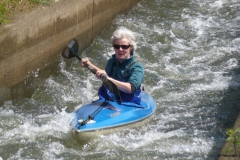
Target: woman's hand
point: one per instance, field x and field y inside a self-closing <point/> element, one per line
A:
<point x="85" y="62"/>
<point x="99" y="73"/>
<point x="94" y="69"/>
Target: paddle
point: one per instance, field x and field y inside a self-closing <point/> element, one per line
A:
<point x="92" y="116"/>
<point x="71" y="50"/>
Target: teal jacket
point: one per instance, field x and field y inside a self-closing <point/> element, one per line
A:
<point x="135" y="74"/>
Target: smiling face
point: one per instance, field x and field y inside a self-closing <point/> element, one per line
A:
<point x="121" y="53"/>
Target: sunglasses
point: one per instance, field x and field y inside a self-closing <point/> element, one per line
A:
<point x="116" y="46"/>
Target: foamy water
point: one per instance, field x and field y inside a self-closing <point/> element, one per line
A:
<point x="190" y="51"/>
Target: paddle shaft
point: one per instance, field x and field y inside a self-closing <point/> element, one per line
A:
<point x="78" y="57"/>
<point x="94" y="71"/>
<point x="91" y="117"/>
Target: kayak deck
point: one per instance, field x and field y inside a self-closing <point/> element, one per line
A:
<point x="111" y="114"/>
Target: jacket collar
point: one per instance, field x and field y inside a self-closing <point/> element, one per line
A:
<point x="125" y="61"/>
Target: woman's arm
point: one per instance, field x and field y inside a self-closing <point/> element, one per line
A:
<point x="123" y="86"/>
<point x="86" y="61"/>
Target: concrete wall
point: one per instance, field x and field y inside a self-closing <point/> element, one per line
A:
<point x="35" y="39"/>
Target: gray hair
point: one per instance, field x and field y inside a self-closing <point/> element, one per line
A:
<point x="123" y="32"/>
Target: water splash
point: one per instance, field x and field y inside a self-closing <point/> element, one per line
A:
<point x="190" y="51"/>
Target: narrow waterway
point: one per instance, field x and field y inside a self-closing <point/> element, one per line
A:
<point x="191" y="53"/>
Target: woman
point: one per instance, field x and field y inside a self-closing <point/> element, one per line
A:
<point x="128" y="83"/>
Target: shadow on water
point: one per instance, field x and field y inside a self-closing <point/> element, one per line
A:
<point x="229" y="106"/>
<point x="228" y="109"/>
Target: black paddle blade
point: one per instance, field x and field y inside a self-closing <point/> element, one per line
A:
<point x="67" y="54"/>
<point x="71" y="50"/>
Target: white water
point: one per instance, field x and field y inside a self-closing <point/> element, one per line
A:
<point x="190" y="51"/>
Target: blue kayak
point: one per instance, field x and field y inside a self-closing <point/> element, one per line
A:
<point x="104" y="115"/>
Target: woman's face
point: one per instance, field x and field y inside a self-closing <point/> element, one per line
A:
<point x="122" y="49"/>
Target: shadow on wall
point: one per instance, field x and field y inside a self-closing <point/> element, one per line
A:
<point x="27" y="87"/>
